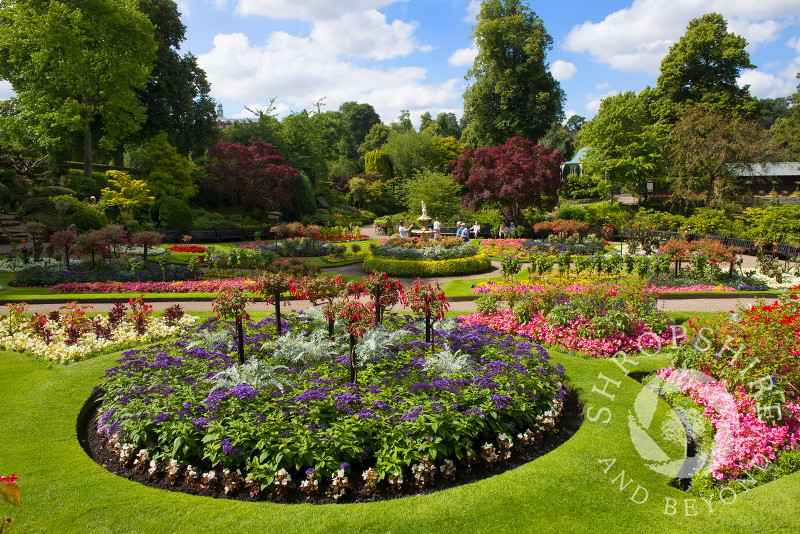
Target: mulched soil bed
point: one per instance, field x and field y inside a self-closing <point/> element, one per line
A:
<point x="567" y="424"/>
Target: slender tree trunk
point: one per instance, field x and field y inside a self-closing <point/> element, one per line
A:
<point x="377" y="305"/>
<point x="278" y="310"/>
<point x="87" y="145"/>
<point x="427" y="326"/>
<point x="240" y="338"/>
<point x="353" y="375"/>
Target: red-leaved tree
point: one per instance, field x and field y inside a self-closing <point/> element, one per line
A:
<point x="517" y="175"/>
<point x="256" y="175"/>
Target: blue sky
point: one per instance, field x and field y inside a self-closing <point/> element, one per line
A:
<point x="413" y="54"/>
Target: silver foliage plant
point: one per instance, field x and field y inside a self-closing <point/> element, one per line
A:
<point x="299" y="348"/>
<point x="446" y="325"/>
<point x="448" y="363"/>
<point x="255" y="373"/>
<point x="376" y="342"/>
<point x="208" y="340"/>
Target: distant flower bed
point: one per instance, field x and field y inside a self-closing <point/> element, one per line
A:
<point x="185" y="286"/>
<point x="188" y="248"/>
<point x="597" y="319"/>
<point x="432" y="252"/>
<point x="72" y="336"/>
<point x="554" y="247"/>
<point x="119" y="272"/>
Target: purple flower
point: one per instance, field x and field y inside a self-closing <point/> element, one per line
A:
<point x="413" y="415"/>
<point x="501" y="402"/>
<point x="243" y="392"/>
<point x="229" y="449"/>
<point x="161" y="417"/>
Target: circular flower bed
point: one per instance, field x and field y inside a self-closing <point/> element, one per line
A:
<point x="448" y="256"/>
<point x="290" y="425"/>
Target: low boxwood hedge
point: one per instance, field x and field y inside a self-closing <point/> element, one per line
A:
<point x="410" y="268"/>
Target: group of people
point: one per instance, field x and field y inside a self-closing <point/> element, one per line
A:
<point x="506" y="231"/>
<point x="463" y="232"/>
<point x="461" y="229"/>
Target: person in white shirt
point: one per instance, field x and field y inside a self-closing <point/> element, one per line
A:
<point x="475" y="229"/>
<point x="437" y="228"/>
<point x="403" y="230"/>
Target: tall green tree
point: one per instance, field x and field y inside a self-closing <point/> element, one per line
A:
<point x="177" y="97"/>
<point x="448" y="125"/>
<point x="376" y="138"/>
<point x="707" y="149"/>
<point x="266" y="128"/>
<point x="559" y="138"/>
<point x="624" y="147"/>
<point x="411" y="151"/>
<point x="786" y="130"/>
<point x="73" y="61"/>
<point x="439" y="191"/>
<point x="361" y="118"/>
<point x="305" y="148"/>
<point x="166" y="172"/>
<point x="513" y="92"/>
<point x="702" y="68"/>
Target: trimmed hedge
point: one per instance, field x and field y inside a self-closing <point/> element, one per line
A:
<point x="409" y="268"/>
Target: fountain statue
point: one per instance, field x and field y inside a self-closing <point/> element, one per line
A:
<point x="423" y="219"/>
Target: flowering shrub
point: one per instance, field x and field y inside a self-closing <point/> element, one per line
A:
<point x="763" y="340"/>
<point x="73" y="336"/>
<point x="562" y="226"/>
<point x="319" y="427"/>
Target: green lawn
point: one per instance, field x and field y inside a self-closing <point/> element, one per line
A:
<point x="564" y="491"/>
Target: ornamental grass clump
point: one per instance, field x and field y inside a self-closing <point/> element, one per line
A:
<point x="305" y="420"/>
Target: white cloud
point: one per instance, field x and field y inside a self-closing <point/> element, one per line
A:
<point x="763" y="85"/>
<point x="638" y="37"/>
<point x="6" y="91"/>
<point x="563" y="70"/>
<point x="300" y="71"/>
<point x="463" y="57"/>
<point x="567" y="114"/>
<point x="757" y="33"/>
<point x="601" y="86"/>
<point x="593" y="101"/>
<point x="184" y="8"/>
<point x="374" y="39"/>
<point x="473" y="9"/>
<point x="794" y="42"/>
<point x="308" y="9"/>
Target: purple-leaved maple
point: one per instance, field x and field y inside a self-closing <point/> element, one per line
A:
<point x="256" y="174"/>
<point x="517" y="175"/>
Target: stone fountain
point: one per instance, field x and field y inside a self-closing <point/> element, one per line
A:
<point x="423" y="230"/>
